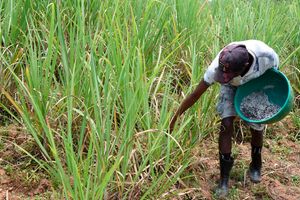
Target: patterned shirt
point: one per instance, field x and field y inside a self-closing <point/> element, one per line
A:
<point x="264" y="58"/>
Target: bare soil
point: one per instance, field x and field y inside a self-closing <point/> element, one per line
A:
<point x="280" y="172"/>
<point x="13" y="189"/>
<point x="19" y="178"/>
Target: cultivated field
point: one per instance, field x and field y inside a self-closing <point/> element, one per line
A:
<point x="88" y="88"/>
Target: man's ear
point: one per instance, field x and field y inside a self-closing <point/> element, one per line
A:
<point x="246" y="64"/>
<point x="246" y="68"/>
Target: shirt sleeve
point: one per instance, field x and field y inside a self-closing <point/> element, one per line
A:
<point x="209" y="75"/>
<point x="268" y="59"/>
<point x="276" y="61"/>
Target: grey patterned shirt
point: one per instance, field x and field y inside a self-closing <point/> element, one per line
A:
<point x="264" y="58"/>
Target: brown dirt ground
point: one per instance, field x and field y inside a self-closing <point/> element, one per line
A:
<point x="12" y="188"/>
<point x="280" y="173"/>
<point x="18" y="180"/>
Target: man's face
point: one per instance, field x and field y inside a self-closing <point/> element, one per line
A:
<point x="233" y="61"/>
<point x="225" y="74"/>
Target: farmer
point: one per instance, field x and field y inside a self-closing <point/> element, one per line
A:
<point x="236" y="64"/>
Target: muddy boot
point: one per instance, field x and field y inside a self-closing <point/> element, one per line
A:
<point x="255" y="165"/>
<point x="225" y="167"/>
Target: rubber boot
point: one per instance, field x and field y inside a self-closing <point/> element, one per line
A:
<point x="225" y="167"/>
<point x="255" y="165"/>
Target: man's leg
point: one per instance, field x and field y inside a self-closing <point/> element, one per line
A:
<point x="256" y="163"/>
<point x="225" y="136"/>
<point x="227" y="113"/>
<point x="226" y="161"/>
<point x="257" y="137"/>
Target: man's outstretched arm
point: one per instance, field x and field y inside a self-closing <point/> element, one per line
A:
<point x="189" y="101"/>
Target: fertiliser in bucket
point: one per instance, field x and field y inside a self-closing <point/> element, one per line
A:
<point x="276" y="87"/>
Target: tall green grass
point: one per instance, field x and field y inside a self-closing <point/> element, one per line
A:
<point x="96" y="82"/>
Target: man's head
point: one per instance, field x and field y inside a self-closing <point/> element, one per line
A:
<point x="233" y="61"/>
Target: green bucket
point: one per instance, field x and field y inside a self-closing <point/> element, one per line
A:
<point x="278" y="89"/>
